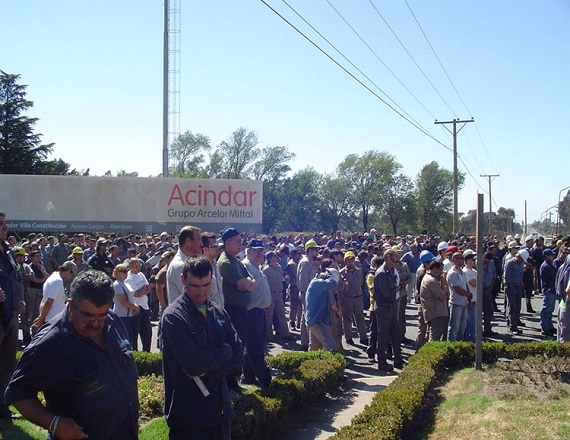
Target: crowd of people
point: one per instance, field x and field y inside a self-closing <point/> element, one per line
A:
<point x="86" y="302"/>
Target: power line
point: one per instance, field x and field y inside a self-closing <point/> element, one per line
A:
<point x="411" y="57"/>
<point x="351" y="63"/>
<point x="450" y="81"/>
<point x="379" y="59"/>
<point x="424" y="131"/>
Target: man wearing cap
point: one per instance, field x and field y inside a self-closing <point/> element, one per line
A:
<point x="448" y="258"/>
<point x="548" y="289"/>
<point x="77" y="257"/>
<point x="11" y="305"/>
<point x="274" y="273"/>
<point x="426" y="257"/>
<point x="237" y="285"/>
<point x="100" y="260"/>
<point x="386" y="297"/>
<point x="255" y="369"/>
<point x="189" y="243"/>
<point x="459" y="299"/>
<point x="294" y="298"/>
<point x="351" y="299"/>
<point x="441" y="250"/>
<point x="434" y="301"/>
<point x="306" y="271"/>
<point x="513" y="281"/>
<point x="54" y="294"/>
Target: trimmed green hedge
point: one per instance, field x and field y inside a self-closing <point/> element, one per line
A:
<point x="392" y="411"/>
<point x="303" y="378"/>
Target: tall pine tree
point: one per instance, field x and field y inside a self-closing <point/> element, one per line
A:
<point x="21" y="151"/>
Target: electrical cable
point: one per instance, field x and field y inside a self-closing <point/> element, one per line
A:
<point x="424" y="131"/>
<point x="412" y="58"/>
<point x="381" y="61"/>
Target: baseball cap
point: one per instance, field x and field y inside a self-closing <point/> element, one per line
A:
<point x="229" y="233"/>
<point x="255" y="244"/>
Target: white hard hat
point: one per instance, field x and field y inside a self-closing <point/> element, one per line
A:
<point x="523" y="253"/>
<point x="442" y="246"/>
<point x="334" y="274"/>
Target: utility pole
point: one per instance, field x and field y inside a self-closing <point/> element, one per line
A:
<point x="490" y="176"/>
<point x="455" y="180"/>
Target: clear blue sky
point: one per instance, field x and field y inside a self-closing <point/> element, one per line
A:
<point x="94" y="71"/>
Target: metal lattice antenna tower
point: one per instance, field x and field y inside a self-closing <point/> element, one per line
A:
<point x="171" y="80"/>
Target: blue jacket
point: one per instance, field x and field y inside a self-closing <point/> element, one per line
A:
<point x="194" y="345"/>
<point x="317" y="300"/>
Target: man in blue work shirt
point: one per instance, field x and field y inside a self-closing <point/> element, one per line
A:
<point x="83" y="363"/>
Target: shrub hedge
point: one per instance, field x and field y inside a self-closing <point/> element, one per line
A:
<point x="392" y="411"/>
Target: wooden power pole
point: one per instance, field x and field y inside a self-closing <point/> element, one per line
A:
<point x="454" y="122"/>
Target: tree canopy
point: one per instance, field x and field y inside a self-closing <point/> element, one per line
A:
<point x="21" y="150"/>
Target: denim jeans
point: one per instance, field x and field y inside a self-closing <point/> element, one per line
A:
<point x="548" y="304"/>
<point x="254" y="365"/>
<point x="469" y="334"/>
<point x="457" y="322"/>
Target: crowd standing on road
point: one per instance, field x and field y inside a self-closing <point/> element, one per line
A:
<point x="222" y="298"/>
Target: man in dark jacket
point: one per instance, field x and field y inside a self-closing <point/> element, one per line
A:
<point x="200" y="348"/>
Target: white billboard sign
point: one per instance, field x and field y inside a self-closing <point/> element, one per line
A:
<point x="124" y="204"/>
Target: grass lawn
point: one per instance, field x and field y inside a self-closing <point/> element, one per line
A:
<point x="512" y="400"/>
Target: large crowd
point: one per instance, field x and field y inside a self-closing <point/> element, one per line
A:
<point x="220" y="298"/>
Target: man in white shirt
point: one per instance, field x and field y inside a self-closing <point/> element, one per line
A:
<point x="54" y="296"/>
<point x="189" y="243"/>
<point x="141" y="289"/>
<point x="458" y="300"/>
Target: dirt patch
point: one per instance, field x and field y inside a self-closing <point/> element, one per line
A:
<point x="531" y="378"/>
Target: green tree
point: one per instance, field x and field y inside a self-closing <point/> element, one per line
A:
<point x="21" y="151"/>
<point x="435" y="197"/>
<point x="187" y="155"/>
<point x="272" y="167"/>
<point x="368" y="175"/>
<point x="238" y="154"/>
<point x="564" y="212"/>
<point x="337" y="211"/>
<point x="399" y="203"/>
<point x="273" y="164"/>
<point x="301" y="203"/>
